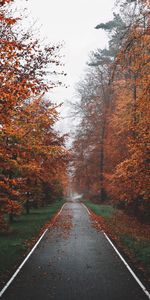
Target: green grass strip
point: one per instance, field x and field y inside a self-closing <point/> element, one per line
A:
<point x="13" y="245"/>
<point x="140" y="248"/>
<point x="105" y="211"/>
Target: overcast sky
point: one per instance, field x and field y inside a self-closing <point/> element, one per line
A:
<point x="73" y="22"/>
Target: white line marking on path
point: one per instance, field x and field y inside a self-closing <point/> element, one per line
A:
<point x="32" y="250"/>
<point x="123" y="260"/>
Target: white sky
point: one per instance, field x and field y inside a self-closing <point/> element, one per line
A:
<point x="73" y="22"/>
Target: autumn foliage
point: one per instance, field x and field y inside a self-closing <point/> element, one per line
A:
<point x="33" y="158"/>
<point x="111" y="147"/>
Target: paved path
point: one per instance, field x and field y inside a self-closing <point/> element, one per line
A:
<point x="74" y="262"/>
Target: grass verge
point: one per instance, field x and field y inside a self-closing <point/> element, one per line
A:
<point x="102" y="210"/>
<point x="129" y="234"/>
<point x="139" y="248"/>
<point x="24" y="230"/>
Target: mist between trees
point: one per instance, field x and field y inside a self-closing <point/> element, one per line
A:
<point x="33" y="157"/>
<point x="111" y="144"/>
<point x="110" y="153"/>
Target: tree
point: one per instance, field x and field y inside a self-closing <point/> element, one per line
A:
<point x="89" y="140"/>
<point x="134" y="61"/>
<point x="30" y="148"/>
<point x="115" y="113"/>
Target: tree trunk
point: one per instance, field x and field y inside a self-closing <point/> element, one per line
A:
<point x="102" y="192"/>
<point x="106" y="104"/>
<point x="11" y="218"/>
<point x="27" y="206"/>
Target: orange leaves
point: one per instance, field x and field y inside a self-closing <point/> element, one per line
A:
<point x="13" y="207"/>
<point x="65" y="223"/>
<point x="111" y="147"/>
<point x="98" y="222"/>
<point x="32" y="153"/>
<point x="2" y="2"/>
<point x="9" y="21"/>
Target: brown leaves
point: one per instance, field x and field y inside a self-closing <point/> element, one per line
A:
<point x="111" y="147"/>
<point x="98" y="222"/>
<point x="2" y="2"/>
<point x="32" y="153"/>
<point x="64" y="223"/>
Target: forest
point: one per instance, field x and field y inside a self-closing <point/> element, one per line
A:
<point x="33" y="156"/>
<point x="87" y="195"/>
<point x="110" y="151"/>
<point x="111" y="145"/>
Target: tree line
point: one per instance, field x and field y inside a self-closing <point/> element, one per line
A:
<point x="111" y="145"/>
<point x="33" y="157"/>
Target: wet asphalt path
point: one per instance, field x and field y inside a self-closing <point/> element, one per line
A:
<point x="74" y="262"/>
